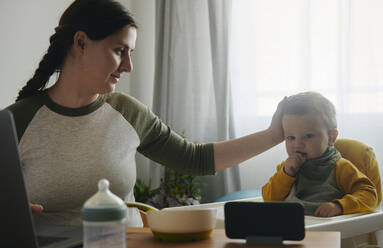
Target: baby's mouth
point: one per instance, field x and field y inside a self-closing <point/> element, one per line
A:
<point x="302" y="153"/>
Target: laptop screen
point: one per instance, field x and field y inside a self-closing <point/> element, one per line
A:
<point x="16" y="221"/>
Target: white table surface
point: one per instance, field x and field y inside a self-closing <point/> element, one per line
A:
<point x="349" y="225"/>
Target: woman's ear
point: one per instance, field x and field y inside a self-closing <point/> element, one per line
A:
<point x="332" y="134"/>
<point x="80" y="40"/>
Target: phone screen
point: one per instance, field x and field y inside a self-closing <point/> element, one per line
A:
<point x="279" y="219"/>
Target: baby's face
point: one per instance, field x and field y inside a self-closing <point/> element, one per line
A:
<point x="305" y="134"/>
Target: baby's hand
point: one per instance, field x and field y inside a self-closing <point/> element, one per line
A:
<point x="293" y="163"/>
<point x="328" y="209"/>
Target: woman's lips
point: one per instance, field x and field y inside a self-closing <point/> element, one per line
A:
<point x="115" y="77"/>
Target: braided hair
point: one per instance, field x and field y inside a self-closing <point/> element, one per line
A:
<point x="97" y="18"/>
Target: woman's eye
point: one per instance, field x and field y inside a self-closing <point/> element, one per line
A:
<point x="120" y="51"/>
<point x="308" y="136"/>
<point x="290" y="138"/>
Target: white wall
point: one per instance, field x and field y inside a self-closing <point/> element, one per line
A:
<point x="25" y="28"/>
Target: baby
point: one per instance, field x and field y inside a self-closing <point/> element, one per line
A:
<point x="314" y="173"/>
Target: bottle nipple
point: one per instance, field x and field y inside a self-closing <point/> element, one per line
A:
<point x="103" y="185"/>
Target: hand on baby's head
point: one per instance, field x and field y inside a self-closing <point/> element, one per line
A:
<point x="293" y="163"/>
<point x="328" y="209"/>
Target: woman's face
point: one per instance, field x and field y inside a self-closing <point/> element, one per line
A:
<point x="104" y="61"/>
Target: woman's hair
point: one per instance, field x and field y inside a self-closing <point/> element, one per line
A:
<point x="311" y="103"/>
<point x="97" y="18"/>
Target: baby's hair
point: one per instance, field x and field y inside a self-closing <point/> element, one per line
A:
<point x="311" y="103"/>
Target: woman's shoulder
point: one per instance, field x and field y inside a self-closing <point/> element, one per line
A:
<point x="120" y="100"/>
<point x="24" y="110"/>
<point x="26" y="104"/>
<point x="131" y="108"/>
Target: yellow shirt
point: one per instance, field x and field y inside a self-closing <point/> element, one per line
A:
<point x="360" y="192"/>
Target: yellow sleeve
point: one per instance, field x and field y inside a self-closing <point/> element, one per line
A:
<point x="360" y="192"/>
<point x="278" y="186"/>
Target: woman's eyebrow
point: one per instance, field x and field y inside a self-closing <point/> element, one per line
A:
<point x="124" y="45"/>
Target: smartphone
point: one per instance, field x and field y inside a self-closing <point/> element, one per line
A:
<point x="264" y="219"/>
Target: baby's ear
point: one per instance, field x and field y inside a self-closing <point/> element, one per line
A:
<point x="332" y="134"/>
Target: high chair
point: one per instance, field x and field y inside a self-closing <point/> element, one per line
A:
<point x="363" y="157"/>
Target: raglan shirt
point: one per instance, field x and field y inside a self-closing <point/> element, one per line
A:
<point x="66" y="151"/>
<point x="359" y="192"/>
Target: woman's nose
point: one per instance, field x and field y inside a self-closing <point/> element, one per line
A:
<point x="126" y="64"/>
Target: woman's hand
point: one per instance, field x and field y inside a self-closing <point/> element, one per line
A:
<point x="276" y="123"/>
<point x="328" y="209"/>
<point x="144" y="218"/>
<point x="36" y="208"/>
<point x="232" y="152"/>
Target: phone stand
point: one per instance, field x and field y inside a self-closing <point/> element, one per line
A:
<point x="264" y="240"/>
<point x="264" y="223"/>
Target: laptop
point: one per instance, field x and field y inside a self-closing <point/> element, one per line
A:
<point x="16" y="222"/>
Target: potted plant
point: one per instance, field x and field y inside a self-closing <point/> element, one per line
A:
<point x="176" y="189"/>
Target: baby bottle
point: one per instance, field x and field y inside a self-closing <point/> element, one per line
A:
<point x="104" y="219"/>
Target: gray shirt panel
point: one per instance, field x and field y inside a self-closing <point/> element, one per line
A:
<point x="66" y="151"/>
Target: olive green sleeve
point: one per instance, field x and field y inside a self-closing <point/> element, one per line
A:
<point x="159" y="143"/>
<point x="23" y="112"/>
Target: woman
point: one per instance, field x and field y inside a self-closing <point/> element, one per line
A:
<point x="78" y="131"/>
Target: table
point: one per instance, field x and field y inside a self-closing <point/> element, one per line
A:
<point x="142" y="237"/>
<point x="353" y="227"/>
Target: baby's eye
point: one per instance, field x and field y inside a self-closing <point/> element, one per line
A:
<point x="289" y="138"/>
<point x="309" y="135"/>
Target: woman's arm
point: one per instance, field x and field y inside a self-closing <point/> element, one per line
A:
<point x="232" y="152"/>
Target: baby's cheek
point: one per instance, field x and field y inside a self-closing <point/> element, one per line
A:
<point x="290" y="152"/>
